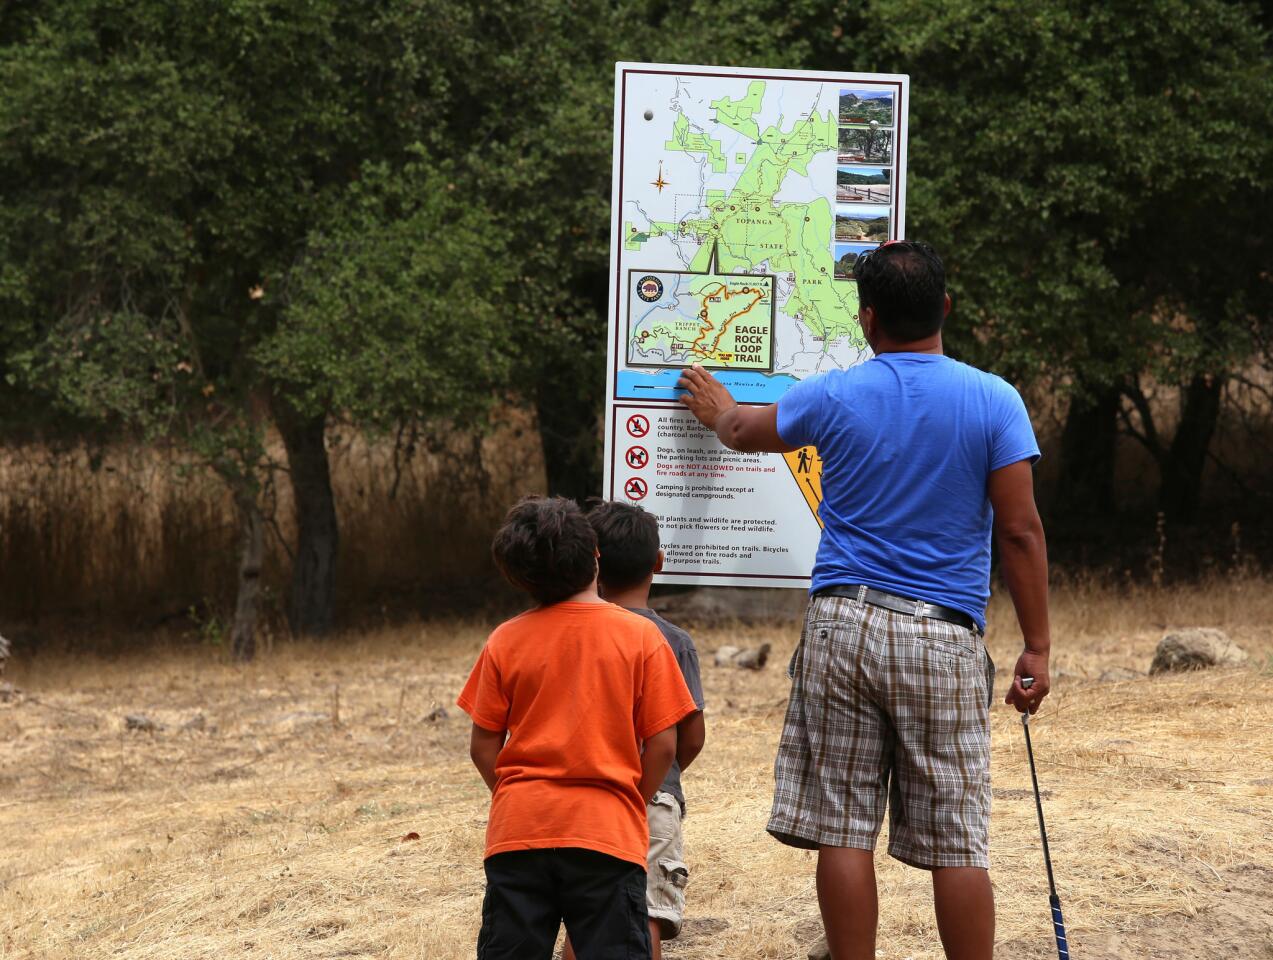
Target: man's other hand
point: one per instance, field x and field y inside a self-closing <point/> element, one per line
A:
<point x="1029" y="665"/>
<point x="705" y="396"/>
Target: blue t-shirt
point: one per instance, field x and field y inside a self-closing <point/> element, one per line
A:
<point x="908" y="441"/>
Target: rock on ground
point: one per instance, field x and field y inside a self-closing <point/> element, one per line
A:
<point x="753" y="658"/>
<point x="820" y="950"/>
<point x="139" y="721"/>
<point x="724" y="656"/>
<point x="1195" y="649"/>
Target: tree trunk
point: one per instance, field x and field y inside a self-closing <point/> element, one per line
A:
<point x="1086" y="487"/>
<point x="252" y="552"/>
<point x="1181" y="491"/>
<point x="568" y="428"/>
<point x="311" y="600"/>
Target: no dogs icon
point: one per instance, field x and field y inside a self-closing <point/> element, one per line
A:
<point x="637" y="457"/>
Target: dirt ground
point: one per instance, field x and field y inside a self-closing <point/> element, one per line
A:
<point x="320" y="803"/>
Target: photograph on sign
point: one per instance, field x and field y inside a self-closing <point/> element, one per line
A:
<point x="862" y="184"/>
<point x="866" y="106"/>
<point x="867" y="143"/>
<point x="862" y="222"/>
<point x="741" y="199"/>
<point x="846" y="255"/>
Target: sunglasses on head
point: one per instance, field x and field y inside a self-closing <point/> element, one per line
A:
<point x="902" y="246"/>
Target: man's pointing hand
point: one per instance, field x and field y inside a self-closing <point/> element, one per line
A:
<point x="704" y="395"/>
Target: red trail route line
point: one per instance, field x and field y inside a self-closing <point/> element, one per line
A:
<point x="707" y="325"/>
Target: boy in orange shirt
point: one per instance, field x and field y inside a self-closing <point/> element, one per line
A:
<point x="574" y="707"/>
<point x="628" y="541"/>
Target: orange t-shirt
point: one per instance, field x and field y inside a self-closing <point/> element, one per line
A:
<point x="577" y="686"/>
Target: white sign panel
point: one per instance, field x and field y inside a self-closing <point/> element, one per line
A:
<point x="741" y="200"/>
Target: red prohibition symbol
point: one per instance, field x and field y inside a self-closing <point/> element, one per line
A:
<point x="638" y="425"/>
<point x="635" y="489"/>
<point x="637" y="457"/>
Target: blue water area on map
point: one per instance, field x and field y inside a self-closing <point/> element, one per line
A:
<point x="745" y="386"/>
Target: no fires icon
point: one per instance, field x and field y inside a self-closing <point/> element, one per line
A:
<point x="638" y="425"/>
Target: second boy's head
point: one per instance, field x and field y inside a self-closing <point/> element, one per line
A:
<point x="628" y="541"/>
<point x="547" y="548"/>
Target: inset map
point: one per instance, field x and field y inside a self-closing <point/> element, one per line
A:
<point x="720" y="321"/>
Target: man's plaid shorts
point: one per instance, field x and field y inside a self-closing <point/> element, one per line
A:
<point x="886" y="708"/>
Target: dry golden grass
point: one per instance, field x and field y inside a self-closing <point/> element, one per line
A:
<point x="134" y="530"/>
<point x="277" y="832"/>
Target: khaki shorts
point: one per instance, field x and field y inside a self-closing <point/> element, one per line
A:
<point x="886" y="710"/>
<point x="666" y="873"/>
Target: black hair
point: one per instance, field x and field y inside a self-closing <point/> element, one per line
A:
<point x="628" y="539"/>
<point x="547" y="548"/>
<point x="906" y="284"/>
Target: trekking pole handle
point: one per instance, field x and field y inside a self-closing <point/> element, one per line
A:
<point x="1026" y="684"/>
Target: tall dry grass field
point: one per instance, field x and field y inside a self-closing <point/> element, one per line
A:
<point x="320" y="804"/>
<point x="139" y="532"/>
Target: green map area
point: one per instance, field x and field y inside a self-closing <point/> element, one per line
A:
<point x="685" y="140"/>
<point x="737" y="114"/>
<point x="750" y="228"/>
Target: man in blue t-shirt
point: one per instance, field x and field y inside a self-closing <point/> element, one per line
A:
<point x="923" y="458"/>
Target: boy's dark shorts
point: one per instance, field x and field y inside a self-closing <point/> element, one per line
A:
<point x="530" y="893"/>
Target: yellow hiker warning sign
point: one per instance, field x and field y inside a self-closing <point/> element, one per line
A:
<point x="806" y="468"/>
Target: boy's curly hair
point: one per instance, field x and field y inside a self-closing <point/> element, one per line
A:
<point x="547" y="548"/>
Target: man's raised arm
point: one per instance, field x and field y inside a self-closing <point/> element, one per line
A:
<point x="746" y="429"/>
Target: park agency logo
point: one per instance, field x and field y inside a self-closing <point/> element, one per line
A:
<point x="650" y="288"/>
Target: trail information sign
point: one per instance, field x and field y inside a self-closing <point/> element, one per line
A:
<point x="742" y="199"/>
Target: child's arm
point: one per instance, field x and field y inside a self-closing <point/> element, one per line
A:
<point x="690" y="735"/>
<point x="484" y="748"/>
<point x="656" y="760"/>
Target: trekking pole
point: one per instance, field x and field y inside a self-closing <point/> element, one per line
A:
<point x="1058" y="922"/>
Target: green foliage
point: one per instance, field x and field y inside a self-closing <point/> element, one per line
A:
<point x="1065" y="156"/>
<point x="395" y="311"/>
<point x="400" y="209"/>
<point x="190" y="194"/>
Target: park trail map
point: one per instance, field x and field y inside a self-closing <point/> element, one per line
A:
<point x="742" y="199"/>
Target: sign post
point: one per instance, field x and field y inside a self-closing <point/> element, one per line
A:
<point x="741" y="200"/>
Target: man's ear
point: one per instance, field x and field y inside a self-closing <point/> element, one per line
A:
<point x="658" y="563"/>
<point x="945" y="310"/>
<point x="866" y="319"/>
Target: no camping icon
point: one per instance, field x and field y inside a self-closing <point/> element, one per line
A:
<point x="635" y="489"/>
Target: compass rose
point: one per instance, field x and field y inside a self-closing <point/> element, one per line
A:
<point x="660" y="183"/>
